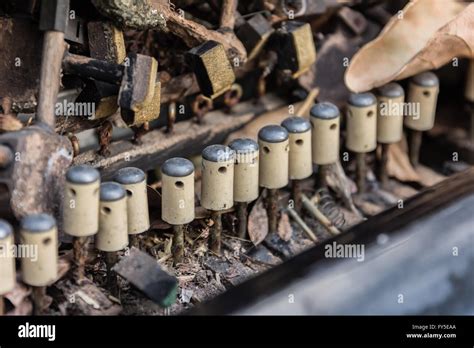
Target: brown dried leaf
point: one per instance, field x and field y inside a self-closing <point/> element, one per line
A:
<point x="398" y="164"/>
<point x="405" y="35"/>
<point x="455" y="39"/>
<point x="258" y="223"/>
<point x="284" y="227"/>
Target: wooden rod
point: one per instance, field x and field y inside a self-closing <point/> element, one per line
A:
<point x="318" y="215"/>
<point x="50" y="76"/>
<point x="302" y="224"/>
<point x="272" y="209"/>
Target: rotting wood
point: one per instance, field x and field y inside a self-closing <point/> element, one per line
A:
<point x="193" y="33"/>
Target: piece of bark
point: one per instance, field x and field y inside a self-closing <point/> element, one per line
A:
<point x="258" y="222"/>
<point x="251" y="129"/>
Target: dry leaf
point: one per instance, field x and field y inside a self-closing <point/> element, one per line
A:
<point x="19" y="297"/>
<point x="9" y="123"/>
<point x="284" y="227"/>
<point x="202" y="213"/>
<point x="154" y="203"/>
<point x="455" y="39"/>
<point x="258" y="222"/>
<point x="405" y="35"/>
<point x="398" y="164"/>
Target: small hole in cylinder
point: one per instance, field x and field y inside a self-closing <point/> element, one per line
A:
<point x="46" y="241"/>
<point x="299" y="142"/>
<point x="266" y="149"/>
<point x="426" y="93"/>
<point x="179" y="184"/>
<point x="73" y="192"/>
<point x="129" y="193"/>
<point x="106" y="210"/>
<point x="333" y="126"/>
<point x="370" y="114"/>
<point x="202" y="105"/>
<point x="222" y="170"/>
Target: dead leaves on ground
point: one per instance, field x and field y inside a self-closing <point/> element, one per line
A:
<point x="258" y="222"/>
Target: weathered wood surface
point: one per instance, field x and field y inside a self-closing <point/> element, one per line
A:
<point x="50" y="76"/>
<point x="188" y="139"/>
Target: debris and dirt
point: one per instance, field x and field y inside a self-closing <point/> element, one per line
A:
<point x="350" y="44"/>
